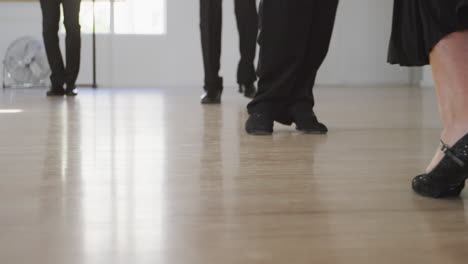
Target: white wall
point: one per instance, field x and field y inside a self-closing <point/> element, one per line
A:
<point x="358" y="52"/>
<point x="16" y="20"/>
<point x="357" y="56"/>
<point x="427" y="80"/>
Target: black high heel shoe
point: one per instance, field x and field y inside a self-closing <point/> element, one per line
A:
<point x="448" y="178"/>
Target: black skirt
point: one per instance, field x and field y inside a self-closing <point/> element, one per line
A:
<point x="418" y="25"/>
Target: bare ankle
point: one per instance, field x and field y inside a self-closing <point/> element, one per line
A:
<point x="451" y="134"/>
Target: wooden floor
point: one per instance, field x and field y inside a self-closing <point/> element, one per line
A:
<point x="150" y="176"/>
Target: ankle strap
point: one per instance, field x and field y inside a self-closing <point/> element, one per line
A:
<point x="446" y="149"/>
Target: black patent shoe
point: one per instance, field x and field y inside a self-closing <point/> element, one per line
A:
<point x="56" y="91"/>
<point x="306" y="121"/>
<point x="309" y="124"/>
<point x="249" y="90"/>
<point x="71" y="90"/>
<point x="448" y="178"/>
<point x="211" y="98"/>
<point x="259" y="124"/>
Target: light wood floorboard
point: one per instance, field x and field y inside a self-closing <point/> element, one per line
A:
<point x="151" y="176"/>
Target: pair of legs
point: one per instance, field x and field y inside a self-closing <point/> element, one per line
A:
<point x="294" y="41"/>
<point x="449" y="65"/>
<point x="435" y="32"/>
<point x="211" y="25"/>
<point x="51" y="16"/>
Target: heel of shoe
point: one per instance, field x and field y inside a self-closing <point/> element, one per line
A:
<point x="454" y="191"/>
<point x="451" y="191"/>
<point x="424" y="186"/>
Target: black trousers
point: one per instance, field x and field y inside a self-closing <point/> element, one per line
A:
<point x="294" y="40"/>
<point x="210" y="26"/>
<point x="50" y="25"/>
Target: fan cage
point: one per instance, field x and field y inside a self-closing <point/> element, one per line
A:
<point x="8" y="81"/>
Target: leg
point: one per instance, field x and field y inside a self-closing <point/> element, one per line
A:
<point x="448" y="61"/>
<point x="210" y="26"/>
<point x="283" y="42"/>
<point x="323" y="21"/>
<point x="71" y="10"/>
<point x="247" y="24"/>
<point x="50" y="27"/>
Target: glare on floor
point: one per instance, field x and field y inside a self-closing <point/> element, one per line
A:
<point x="10" y="111"/>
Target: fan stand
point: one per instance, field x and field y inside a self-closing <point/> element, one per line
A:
<point x="94" y="84"/>
<point x="3" y="78"/>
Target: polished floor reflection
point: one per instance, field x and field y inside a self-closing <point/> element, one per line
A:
<point x="151" y="176"/>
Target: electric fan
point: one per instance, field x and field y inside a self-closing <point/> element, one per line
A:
<point x="25" y="64"/>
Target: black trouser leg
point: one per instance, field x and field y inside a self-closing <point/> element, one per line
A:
<point x="247" y="24"/>
<point x="320" y="33"/>
<point x="210" y="27"/>
<point x="71" y="11"/>
<point x="283" y="42"/>
<point x="291" y="41"/>
<point x="50" y="27"/>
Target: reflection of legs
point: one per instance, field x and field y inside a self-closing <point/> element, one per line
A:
<point x="210" y="26"/>
<point x="50" y="26"/>
<point x="71" y="10"/>
<point x="247" y="24"/>
<point x="448" y="60"/>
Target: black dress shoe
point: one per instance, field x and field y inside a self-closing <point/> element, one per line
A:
<point x="309" y="124"/>
<point x="56" y="91"/>
<point x="71" y="90"/>
<point x="249" y="90"/>
<point x="448" y="178"/>
<point x="259" y="125"/>
<point x="306" y="121"/>
<point x="211" y="98"/>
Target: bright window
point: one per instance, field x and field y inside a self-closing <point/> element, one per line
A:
<point x="142" y="17"/>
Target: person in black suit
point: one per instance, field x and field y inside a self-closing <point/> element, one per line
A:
<point x="50" y="23"/>
<point x="294" y="40"/>
<point x="210" y="26"/>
